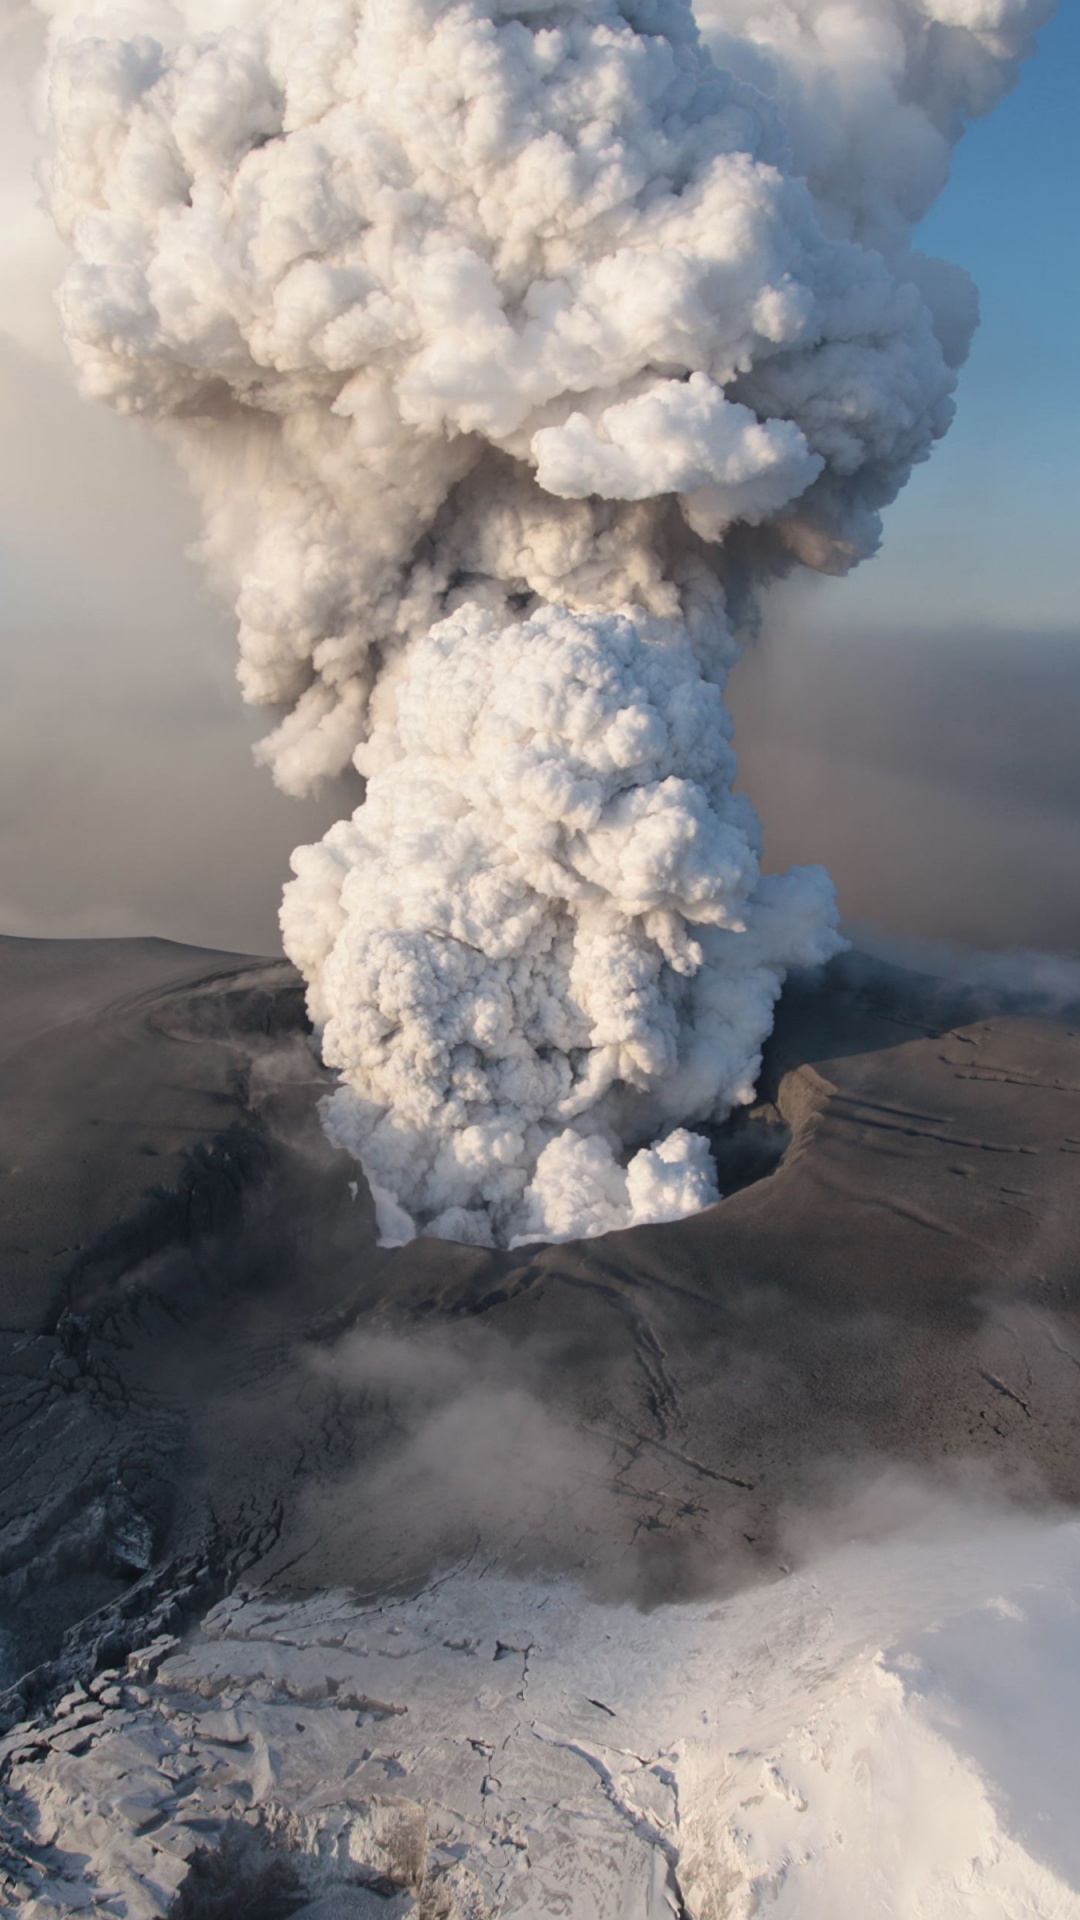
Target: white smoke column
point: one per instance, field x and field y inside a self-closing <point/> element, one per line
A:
<point x="510" y="345"/>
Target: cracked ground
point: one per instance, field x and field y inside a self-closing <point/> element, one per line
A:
<point x="210" y="1374"/>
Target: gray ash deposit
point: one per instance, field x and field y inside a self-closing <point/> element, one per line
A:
<point x="211" y="1370"/>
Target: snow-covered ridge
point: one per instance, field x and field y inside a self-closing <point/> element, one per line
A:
<point x="888" y="1732"/>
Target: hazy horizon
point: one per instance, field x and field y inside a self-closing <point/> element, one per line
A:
<point x="121" y="662"/>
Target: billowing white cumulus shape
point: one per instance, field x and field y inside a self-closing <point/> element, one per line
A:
<point x="679" y="436"/>
<point x="510" y="347"/>
<point x="544" y="933"/>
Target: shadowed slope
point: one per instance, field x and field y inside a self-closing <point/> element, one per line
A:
<point x="209" y="1367"/>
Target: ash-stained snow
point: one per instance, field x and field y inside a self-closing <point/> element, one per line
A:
<point x="890" y="1732"/>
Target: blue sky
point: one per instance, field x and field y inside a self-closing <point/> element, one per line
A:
<point x="989" y="532"/>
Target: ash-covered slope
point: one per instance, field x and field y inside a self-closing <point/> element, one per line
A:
<point x="210" y="1369"/>
<point x="148" y="1185"/>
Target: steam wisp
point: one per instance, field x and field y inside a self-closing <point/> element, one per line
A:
<point x="511" y="349"/>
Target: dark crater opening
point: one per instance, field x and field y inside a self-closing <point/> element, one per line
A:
<point x="748" y="1146"/>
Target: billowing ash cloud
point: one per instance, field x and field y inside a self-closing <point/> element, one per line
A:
<point x="509" y="346"/>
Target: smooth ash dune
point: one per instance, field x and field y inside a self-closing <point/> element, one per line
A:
<point x="511" y="349"/>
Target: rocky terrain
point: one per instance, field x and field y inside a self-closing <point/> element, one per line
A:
<point x="214" y="1382"/>
<point x="499" y="1746"/>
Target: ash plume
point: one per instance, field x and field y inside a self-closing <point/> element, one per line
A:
<point x="510" y="348"/>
